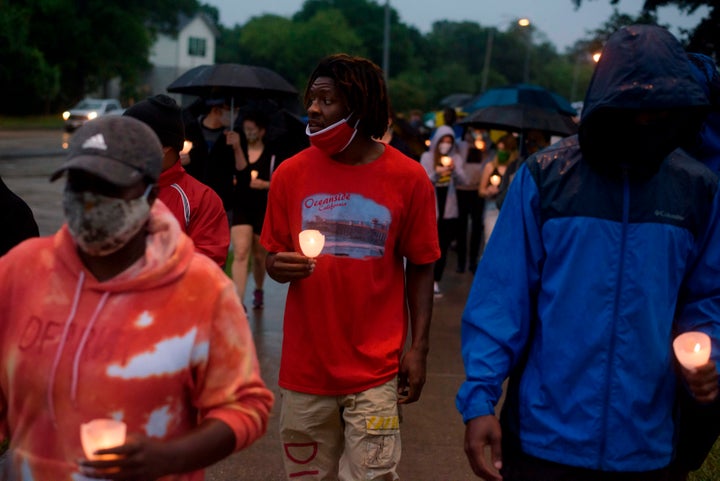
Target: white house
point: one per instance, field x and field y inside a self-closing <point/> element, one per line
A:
<point x="171" y="56"/>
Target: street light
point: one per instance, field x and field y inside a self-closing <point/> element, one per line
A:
<point x="525" y="23"/>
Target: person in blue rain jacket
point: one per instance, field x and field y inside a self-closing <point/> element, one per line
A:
<point x="607" y="246"/>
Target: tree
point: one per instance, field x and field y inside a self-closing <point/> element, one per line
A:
<point x="28" y="83"/>
<point x="101" y="40"/>
<point x="705" y="37"/>
<point x="295" y="46"/>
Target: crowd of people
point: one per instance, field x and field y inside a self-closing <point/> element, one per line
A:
<point x="605" y="246"/>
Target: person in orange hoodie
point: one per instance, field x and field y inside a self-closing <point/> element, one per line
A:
<point x="105" y="320"/>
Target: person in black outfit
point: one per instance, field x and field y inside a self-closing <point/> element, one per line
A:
<point x="17" y="219"/>
<point x="216" y="153"/>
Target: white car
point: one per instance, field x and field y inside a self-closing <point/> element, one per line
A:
<point x="88" y="109"/>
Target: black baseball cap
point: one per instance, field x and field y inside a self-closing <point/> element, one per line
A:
<point x="118" y="149"/>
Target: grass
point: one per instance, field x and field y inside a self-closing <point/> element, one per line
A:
<point x="53" y="121"/>
<point x="710" y="469"/>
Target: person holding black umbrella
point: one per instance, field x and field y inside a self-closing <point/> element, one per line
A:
<point x="217" y="156"/>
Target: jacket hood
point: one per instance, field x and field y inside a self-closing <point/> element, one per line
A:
<point x="441" y="132"/>
<point x="642" y="68"/>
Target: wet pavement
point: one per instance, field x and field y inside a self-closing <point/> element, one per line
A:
<point x="432" y="430"/>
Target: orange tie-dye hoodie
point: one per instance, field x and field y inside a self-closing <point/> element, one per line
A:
<point x="161" y="347"/>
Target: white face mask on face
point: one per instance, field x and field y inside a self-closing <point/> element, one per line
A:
<point x="444" y="147"/>
<point x="101" y="225"/>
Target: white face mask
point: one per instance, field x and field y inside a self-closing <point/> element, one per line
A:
<point x="101" y="225"/>
<point x="444" y="147"/>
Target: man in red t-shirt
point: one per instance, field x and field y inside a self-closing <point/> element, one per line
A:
<point x="343" y="371"/>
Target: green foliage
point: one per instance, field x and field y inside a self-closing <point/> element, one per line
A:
<point x="710" y="469"/>
<point x="56" y="51"/>
<point x="294" y="48"/>
<point x="27" y="81"/>
<point x="704" y="38"/>
<point x="107" y="39"/>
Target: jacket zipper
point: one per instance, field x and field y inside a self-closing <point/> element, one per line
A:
<point x="616" y="309"/>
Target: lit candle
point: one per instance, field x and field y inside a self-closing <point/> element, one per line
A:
<point x="102" y="434"/>
<point x="311" y="242"/>
<point x="479" y="144"/>
<point x="495" y="179"/>
<point x="187" y="147"/>
<point x="253" y="174"/>
<point x="692" y="349"/>
<point x="446" y="160"/>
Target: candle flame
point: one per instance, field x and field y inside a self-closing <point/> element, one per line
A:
<point x="311" y="242"/>
<point x="697" y="347"/>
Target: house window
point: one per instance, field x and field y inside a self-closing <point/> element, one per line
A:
<point x="196" y="46"/>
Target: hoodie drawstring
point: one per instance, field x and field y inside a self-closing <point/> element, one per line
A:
<point x="81" y="346"/>
<point x="63" y="340"/>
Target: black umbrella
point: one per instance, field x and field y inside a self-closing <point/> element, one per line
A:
<point x="232" y="80"/>
<point x="236" y="81"/>
<point x="521" y="118"/>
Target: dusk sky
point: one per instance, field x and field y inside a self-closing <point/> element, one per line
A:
<point x="557" y="20"/>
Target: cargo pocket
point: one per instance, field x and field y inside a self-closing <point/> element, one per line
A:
<point x="383" y="440"/>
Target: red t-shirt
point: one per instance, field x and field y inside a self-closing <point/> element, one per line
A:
<point x="345" y="325"/>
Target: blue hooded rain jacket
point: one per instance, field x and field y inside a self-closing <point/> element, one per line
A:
<point x="595" y="263"/>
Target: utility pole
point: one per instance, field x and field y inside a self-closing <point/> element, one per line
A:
<point x="386" y="42"/>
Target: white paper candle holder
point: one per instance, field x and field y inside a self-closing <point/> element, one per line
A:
<point x="311" y="242"/>
<point x="692" y="349"/>
<point x="102" y="434"/>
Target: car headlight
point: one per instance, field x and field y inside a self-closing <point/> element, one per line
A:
<point x="66" y="115"/>
<point x="92" y="115"/>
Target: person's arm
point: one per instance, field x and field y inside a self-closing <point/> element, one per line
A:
<point x="284" y="267"/>
<point x="208" y="227"/>
<point x="413" y="364"/>
<point x="702" y="382"/>
<point x="482" y="432"/>
<point x="232" y="138"/>
<point x="486" y="190"/>
<point x="226" y="390"/>
<point x="496" y="321"/>
<point x="428" y="163"/>
<point x="142" y="458"/>
<point x="699" y="301"/>
<point x="458" y="170"/>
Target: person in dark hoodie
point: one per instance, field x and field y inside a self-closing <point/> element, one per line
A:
<point x="17" y="217"/>
<point x="699" y="423"/>
<point x="615" y="238"/>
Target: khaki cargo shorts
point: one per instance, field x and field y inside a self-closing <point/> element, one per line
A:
<point x="353" y="437"/>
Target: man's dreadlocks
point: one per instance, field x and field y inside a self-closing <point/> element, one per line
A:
<point x="362" y="86"/>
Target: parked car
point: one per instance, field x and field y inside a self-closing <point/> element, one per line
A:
<point x="88" y="109"/>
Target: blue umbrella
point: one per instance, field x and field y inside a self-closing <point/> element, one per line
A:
<point x="522" y="94"/>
